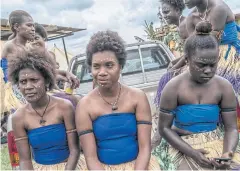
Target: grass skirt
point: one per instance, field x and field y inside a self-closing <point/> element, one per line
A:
<point x="60" y="166"/>
<point x="171" y="159"/>
<point x="153" y="165"/>
<point x="9" y="101"/>
<point x="229" y="67"/>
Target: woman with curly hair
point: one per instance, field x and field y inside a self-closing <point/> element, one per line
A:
<point x="172" y="13"/>
<point x="45" y="123"/>
<point x="113" y="121"/>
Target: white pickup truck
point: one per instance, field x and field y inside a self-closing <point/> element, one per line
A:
<point x="146" y="63"/>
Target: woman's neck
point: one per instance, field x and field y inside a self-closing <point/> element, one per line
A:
<point x="42" y="102"/>
<point x="111" y="91"/>
<point x="19" y="40"/>
<point x="180" y="19"/>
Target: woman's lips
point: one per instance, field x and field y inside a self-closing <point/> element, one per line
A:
<point x="102" y="81"/>
<point x="30" y="94"/>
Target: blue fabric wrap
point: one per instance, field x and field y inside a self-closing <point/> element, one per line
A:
<point x="49" y="144"/>
<point x="116" y="138"/>
<point x="197" y="118"/>
<point x="230" y="35"/>
<point x="238" y="28"/>
<point x="4" y="66"/>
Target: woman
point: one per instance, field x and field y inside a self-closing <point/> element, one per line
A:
<point x="225" y="29"/>
<point x="172" y="14"/>
<point x="194" y="107"/>
<point x="38" y="44"/>
<point x="45" y="123"/>
<point x="114" y="135"/>
<point x="22" y="26"/>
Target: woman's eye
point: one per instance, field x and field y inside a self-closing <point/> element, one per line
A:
<point x="109" y="65"/>
<point x="23" y="82"/>
<point x="95" y="67"/>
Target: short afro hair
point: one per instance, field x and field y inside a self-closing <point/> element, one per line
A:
<point x="177" y="4"/>
<point x="37" y="61"/>
<point x="106" y="40"/>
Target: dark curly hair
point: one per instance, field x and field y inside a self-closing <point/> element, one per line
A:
<point x="106" y="40"/>
<point x="202" y="39"/>
<point x="39" y="29"/>
<point x="177" y="4"/>
<point x="37" y="61"/>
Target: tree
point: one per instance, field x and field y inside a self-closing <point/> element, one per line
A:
<point x="149" y="29"/>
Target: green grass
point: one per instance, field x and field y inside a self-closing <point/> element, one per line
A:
<point x="5" y="161"/>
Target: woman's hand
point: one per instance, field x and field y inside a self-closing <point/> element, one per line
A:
<point x="66" y="76"/>
<point x="73" y="80"/>
<point x="223" y="164"/>
<point x="199" y="157"/>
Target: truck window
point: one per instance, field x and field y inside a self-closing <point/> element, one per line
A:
<point x="133" y="63"/>
<point x="77" y="69"/>
<point x="86" y="74"/>
<point x="154" y="58"/>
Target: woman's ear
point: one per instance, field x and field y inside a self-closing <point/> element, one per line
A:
<point x="47" y="85"/>
<point x="179" y="12"/>
<point x="16" y="27"/>
<point x="186" y="59"/>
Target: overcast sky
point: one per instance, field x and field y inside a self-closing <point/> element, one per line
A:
<point x="124" y="16"/>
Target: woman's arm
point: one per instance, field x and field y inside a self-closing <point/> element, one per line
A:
<point x="168" y="103"/>
<point x="229" y="116"/>
<point x="68" y="77"/>
<point x="180" y="63"/>
<point x="21" y="141"/>
<point x="88" y="142"/>
<point x="68" y="117"/>
<point x="143" y="113"/>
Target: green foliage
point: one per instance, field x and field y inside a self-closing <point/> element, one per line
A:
<point x="5" y="161"/>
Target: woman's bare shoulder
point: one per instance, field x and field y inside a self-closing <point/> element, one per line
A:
<point x="222" y="82"/>
<point x="7" y="48"/>
<point x="87" y="99"/>
<point x="20" y="113"/>
<point x="133" y="92"/>
<point x="62" y="104"/>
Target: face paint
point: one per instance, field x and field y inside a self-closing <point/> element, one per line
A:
<point x="203" y="66"/>
<point x="105" y="68"/>
<point x="31" y="84"/>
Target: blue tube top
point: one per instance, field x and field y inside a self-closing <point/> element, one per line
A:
<point x="230" y="35"/>
<point x="49" y="144"/>
<point x="116" y="138"/>
<point x="4" y="66"/>
<point x="197" y="118"/>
